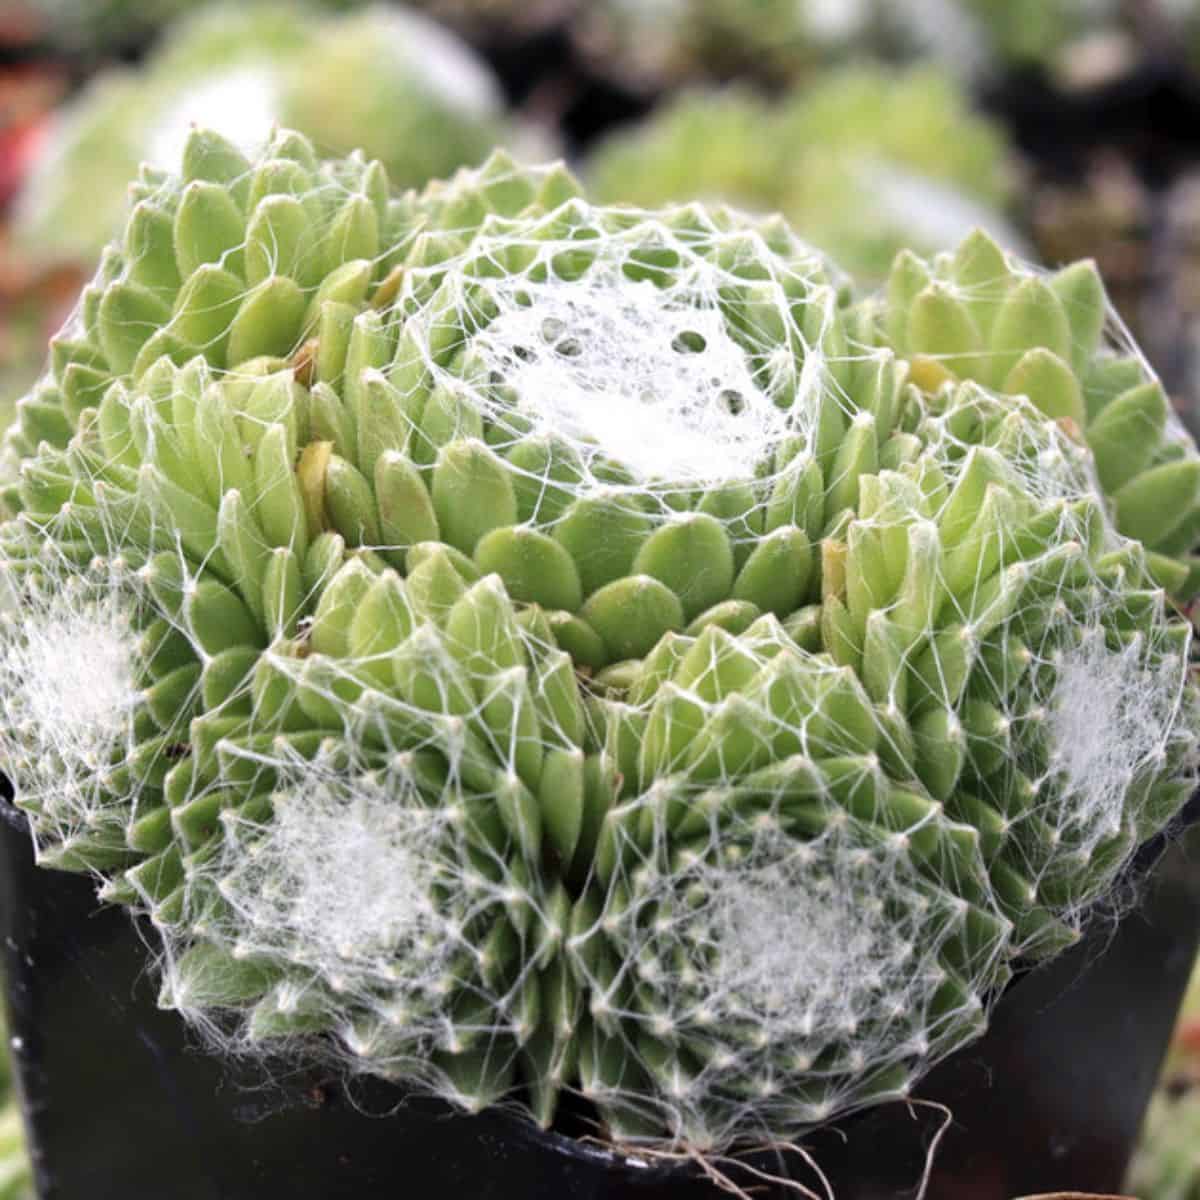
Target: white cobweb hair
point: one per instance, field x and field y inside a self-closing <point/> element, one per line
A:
<point x="69" y="661"/>
<point x="351" y="896"/>
<point x="346" y="878"/>
<point x="639" y="346"/>
<point x="806" y="977"/>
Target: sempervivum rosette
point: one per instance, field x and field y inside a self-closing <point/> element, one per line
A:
<point x="973" y="316"/>
<point x="523" y="645"/>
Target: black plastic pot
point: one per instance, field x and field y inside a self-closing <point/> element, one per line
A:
<point x="121" y="1103"/>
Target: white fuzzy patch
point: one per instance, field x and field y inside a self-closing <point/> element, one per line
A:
<point x="814" y="942"/>
<point x="77" y="678"/>
<point x="67" y="693"/>
<point x="618" y="365"/>
<point x="342" y="878"/>
<point x="1110" y="715"/>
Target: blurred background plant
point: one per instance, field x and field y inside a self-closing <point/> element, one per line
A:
<point x="1168" y="1164"/>
<point x="782" y="40"/>
<point x="392" y="82"/>
<point x="1069" y="128"/>
<point x="16" y="1177"/>
<point x="776" y="40"/>
<point x="387" y="79"/>
<point x="865" y="160"/>
<point x="98" y="28"/>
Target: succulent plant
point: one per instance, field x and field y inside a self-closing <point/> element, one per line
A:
<point x="424" y="102"/>
<point x="971" y="317"/>
<point x="511" y="644"/>
<point x="862" y="161"/>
